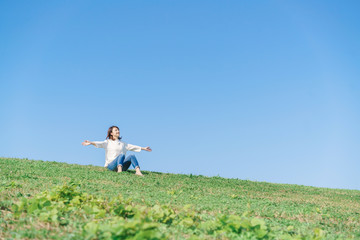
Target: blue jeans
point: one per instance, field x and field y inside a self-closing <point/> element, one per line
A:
<point x="125" y="163"/>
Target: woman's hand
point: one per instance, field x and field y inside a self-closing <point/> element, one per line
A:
<point x="147" y="149"/>
<point x="86" y="143"/>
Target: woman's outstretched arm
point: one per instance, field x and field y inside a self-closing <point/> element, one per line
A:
<point x="101" y="144"/>
<point x="135" y="148"/>
<point x="146" y="149"/>
<point x="87" y="143"/>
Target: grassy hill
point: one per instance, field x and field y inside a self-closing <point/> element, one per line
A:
<point x="51" y="200"/>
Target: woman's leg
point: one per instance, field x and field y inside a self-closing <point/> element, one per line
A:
<point x="120" y="162"/>
<point x="132" y="160"/>
<point x="116" y="163"/>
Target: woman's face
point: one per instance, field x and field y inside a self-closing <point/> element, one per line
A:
<point x="115" y="133"/>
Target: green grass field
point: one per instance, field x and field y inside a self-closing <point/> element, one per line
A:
<point x="51" y="200"/>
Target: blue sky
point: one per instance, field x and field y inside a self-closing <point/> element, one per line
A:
<point x="257" y="90"/>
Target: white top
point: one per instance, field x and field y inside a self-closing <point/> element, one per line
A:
<point x="115" y="148"/>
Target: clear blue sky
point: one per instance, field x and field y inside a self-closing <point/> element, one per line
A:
<point x="257" y="90"/>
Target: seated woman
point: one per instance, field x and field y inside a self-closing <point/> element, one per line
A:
<point x="115" y="151"/>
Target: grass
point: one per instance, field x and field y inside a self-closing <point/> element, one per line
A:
<point x="218" y="204"/>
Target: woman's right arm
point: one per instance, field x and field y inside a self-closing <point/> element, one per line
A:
<point x="96" y="143"/>
<point x="87" y="143"/>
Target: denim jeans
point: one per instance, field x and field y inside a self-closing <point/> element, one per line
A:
<point x="124" y="162"/>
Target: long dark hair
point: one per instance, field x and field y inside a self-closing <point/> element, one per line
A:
<point x="110" y="131"/>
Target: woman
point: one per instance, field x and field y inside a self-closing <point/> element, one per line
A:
<point x="115" y="151"/>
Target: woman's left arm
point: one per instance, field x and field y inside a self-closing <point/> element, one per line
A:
<point x="135" y="148"/>
<point x="146" y="149"/>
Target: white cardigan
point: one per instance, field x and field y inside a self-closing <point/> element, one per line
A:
<point x="114" y="148"/>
